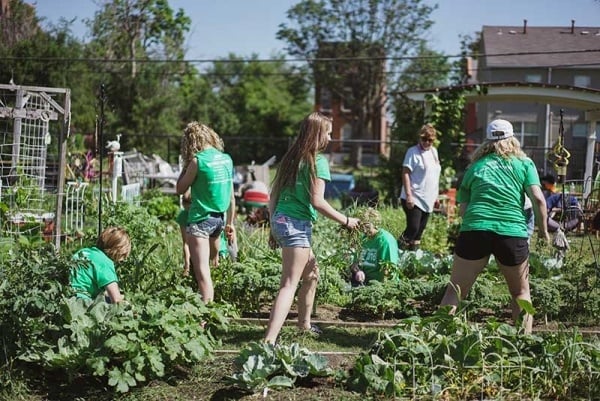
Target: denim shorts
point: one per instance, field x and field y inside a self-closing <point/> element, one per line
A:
<point x="209" y="228"/>
<point x="290" y="232"/>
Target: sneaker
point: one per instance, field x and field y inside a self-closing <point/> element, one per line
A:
<point x="314" y="329"/>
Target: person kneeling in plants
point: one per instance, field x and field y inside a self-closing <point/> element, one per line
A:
<point x="95" y="271"/>
<point x="378" y="249"/>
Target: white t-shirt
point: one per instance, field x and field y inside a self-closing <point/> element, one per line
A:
<point x="424" y="166"/>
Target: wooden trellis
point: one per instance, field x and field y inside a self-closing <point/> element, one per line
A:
<point x="33" y="119"/>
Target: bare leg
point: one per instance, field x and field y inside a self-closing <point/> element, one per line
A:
<point x="517" y="279"/>
<point x="200" y="252"/>
<point x="186" y="251"/>
<point x="308" y="289"/>
<point x="295" y="261"/>
<point x="464" y="273"/>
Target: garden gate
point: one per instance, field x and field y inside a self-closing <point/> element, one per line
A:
<point x="34" y="127"/>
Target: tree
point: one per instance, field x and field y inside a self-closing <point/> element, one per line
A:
<point x="258" y="103"/>
<point x="140" y="42"/>
<point x="429" y="69"/>
<point x="33" y="56"/>
<point x="371" y="39"/>
<point x="132" y="29"/>
<point x="18" y="22"/>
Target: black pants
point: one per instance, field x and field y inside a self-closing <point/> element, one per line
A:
<point x="416" y="221"/>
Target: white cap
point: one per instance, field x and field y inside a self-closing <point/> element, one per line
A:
<point x="499" y="129"/>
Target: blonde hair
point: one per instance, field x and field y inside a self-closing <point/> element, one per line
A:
<point x="505" y="148"/>
<point x="427" y="131"/>
<point x="369" y="216"/>
<point x="198" y="137"/>
<point x="115" y="243"/>
<point x="312" y="138"/>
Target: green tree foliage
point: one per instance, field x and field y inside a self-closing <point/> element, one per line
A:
<point x="23" y="45"/>
<point x="429" y="69"/>
<point x="138" y="42"/>
<point x="32" y="56"/>
<point x="447" y="115"/>
<point x="138" y="29"/>
<point x="258" y="105"/>
<point x="470" y="47"/>
<point x="347" y="43"/>
<point x="17" y="23"/>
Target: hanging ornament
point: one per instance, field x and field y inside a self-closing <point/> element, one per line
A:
<point x="559" y="155"/>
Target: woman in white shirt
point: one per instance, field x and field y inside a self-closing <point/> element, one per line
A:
<point x="420" y="186"/>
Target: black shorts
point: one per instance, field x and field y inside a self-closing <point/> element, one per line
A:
<point x="509" y="251"/>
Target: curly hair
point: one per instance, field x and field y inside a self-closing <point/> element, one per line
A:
<point x="427" y="131"/>
<point x="115" y="243"/>
<point x="505" y="148"/>
<point x="313" y="137"/>
<point x="369" y="215"/>
<point x="198" y="137"/>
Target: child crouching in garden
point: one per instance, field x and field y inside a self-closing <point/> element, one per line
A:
<point x="95" y="272"/>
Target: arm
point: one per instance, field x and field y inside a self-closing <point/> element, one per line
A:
<point x="273" y="198"/>
<point x="357" y="276"/>
<point x="407" y="188"/>
<point x="317" y="199"/>
<point x="114" y="293"/>
<point x="462" y="208"/>
<point x="230" y="216"/>
<point x="540" y="212"/>
<point x="272" y="203"/>
<point x="187" y="177"/>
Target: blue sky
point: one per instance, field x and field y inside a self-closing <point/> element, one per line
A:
<point x="244" y="27"/>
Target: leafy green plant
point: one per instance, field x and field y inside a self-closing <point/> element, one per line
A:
<point x="419" y="263"/>
<point x="546" y="295"/>
<point x="142" y="339"/>
<point x="248" y="285"/>
<point x="158" y="331"/>
<point x="381" y="299"/>
<point x="263" y="365"/>
<point x="164" y="207"/>
<point x="33" y="282"/>
<point x="443" y="356"/>
<point x="447" y="178"/>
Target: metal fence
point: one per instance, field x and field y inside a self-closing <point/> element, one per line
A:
<point x="245" y="149"/>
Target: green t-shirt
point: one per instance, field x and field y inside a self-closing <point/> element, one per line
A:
<point x="94" y="273"/>
<point x="295" y="202"/>
<point x="382" y="247"/>
<point x="494" y="189"/>
<point x="211" y="190"/>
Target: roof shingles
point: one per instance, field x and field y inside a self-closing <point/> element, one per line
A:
<point x="551" y="46"/>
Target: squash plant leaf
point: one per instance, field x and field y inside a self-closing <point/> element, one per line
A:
<point x="526" y="306"/>
<point x="122" y="381"/>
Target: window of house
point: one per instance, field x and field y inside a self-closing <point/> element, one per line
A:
<point x="347" y="100"/>
<point x="535" y="78"/>
<point x="583" y="81"/>
<point x="580" y="130"/>
<point x="325" y="100"/>
<point x="526" y="132"/>
<point x="346" y="137"/>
